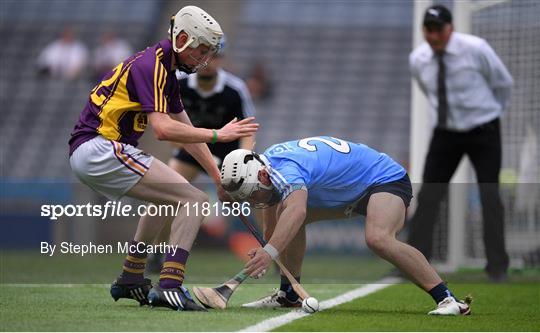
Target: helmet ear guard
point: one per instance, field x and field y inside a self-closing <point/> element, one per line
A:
<point x="173" y="36"/>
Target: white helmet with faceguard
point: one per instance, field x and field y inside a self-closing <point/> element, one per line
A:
<point x="200" y="27"/>
<point x="240" y="178"/>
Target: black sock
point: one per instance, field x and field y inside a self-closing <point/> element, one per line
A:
<point x="440" y="292"/>
<point x="288" y="289"/>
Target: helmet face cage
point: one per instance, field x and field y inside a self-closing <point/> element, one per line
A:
<point x="202" y="61"/>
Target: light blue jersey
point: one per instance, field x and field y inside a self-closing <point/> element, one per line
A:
<point x="334" y="172"/>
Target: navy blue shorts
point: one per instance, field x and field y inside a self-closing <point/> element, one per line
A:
<point x="401" y="187"/>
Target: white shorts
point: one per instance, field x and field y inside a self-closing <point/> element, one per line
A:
<point x="109" y="167"/>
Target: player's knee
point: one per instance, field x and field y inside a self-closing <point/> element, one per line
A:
<point x="376" y="240"/>
<point x="191" y="196"/>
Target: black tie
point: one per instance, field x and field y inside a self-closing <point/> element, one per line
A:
<point x="441" y="92"/>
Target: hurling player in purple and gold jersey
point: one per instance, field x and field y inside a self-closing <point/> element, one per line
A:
<point x="103" y="152"/>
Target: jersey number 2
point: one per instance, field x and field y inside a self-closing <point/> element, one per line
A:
<point x="97" y="97"/>
<point x="341" y="146"/>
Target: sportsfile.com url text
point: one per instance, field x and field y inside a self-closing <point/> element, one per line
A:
<point x="119" y="209"/>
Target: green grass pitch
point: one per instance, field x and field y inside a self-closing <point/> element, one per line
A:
<point x="510" y="306"/>
<point x="505" y="307"/>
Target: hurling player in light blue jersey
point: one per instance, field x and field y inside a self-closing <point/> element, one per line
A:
<point x="321" y="178"/>
<point x="334" y="172"/>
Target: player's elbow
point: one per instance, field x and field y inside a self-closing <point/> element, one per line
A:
<point x="160" y="125"/>
<point x="160" y="132"/>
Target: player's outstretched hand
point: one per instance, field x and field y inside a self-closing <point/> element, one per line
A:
<point x="235" y="129"/>
<point x="260" y="260"/>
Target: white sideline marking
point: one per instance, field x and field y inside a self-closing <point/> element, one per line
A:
<point x="272" y="323"/>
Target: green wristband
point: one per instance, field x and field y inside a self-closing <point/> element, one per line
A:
<point x="214" y="136"/>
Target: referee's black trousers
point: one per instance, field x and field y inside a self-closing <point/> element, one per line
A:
<point x="483" y="147"/>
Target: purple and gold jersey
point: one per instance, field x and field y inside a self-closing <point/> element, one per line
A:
<point x="117" y="107"/>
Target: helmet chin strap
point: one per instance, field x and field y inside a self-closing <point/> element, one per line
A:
<point x="182" y="67"/>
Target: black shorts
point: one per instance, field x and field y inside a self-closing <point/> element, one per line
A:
<point x="219" y="150"/>
<point x="401" y="187"/>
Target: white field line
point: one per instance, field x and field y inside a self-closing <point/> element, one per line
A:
<point x="272" y="323"/>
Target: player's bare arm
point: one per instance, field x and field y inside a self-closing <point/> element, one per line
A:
<point x="269" y="220"/>
<point x="168" y="129"/>
<point x="202" y="154"/>
<point x="199" y="151"/>
<point x="292" y="214"/>
<point x="247" y="142"/>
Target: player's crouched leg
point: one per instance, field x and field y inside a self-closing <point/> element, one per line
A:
<point x="385" y="216"/>
<point x="169" y="292"/>
<point x="384" y="219"/>
<point x="163" y="185"/>
<point x="158" y="184"/>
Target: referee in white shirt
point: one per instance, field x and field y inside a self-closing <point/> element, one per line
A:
<point x="468" y="88"/>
